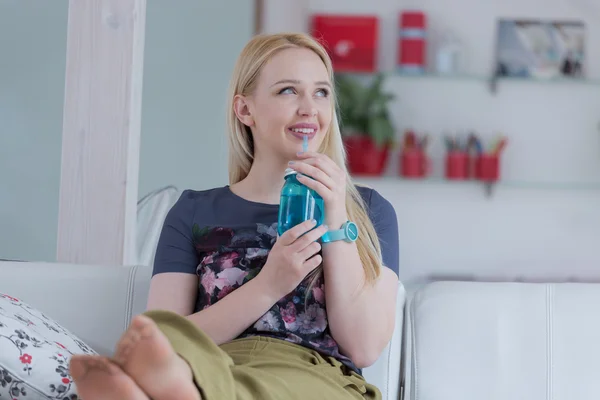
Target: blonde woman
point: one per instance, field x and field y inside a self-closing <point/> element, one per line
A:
<point x="236" y="311"/>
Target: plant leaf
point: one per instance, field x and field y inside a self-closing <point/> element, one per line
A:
<point x="363" y="109"/>
<point x="381" y="130"/>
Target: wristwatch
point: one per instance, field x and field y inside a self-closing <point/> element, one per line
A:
<point x="347" y="233"/>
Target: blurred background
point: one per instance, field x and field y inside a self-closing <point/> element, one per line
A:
<point x="479" y="121"/>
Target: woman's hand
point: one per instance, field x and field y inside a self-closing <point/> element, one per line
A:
<point x="292" y="258"/>
<point x="320" y="173"/>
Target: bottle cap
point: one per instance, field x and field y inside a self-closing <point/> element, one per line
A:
<point x="289" y="171"/>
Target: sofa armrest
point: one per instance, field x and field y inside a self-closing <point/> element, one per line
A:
<point x="96" y="303"/>
<point x="385" y="373"/>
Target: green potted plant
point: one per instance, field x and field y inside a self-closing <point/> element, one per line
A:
<point x="367" y="130"/>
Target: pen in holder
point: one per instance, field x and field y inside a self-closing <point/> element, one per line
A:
<point x="467" y="158"/>
<point x="487" y="164"/>
<point x="487" y="167"/>
<point x="414" y="162"/>
<point x="459" y="157"/>
<point x="457" y="165"/>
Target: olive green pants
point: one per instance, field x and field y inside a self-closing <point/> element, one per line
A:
<point x="259" y="368"/>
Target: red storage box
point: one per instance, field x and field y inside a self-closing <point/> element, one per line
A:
<point x="351" y="40"/>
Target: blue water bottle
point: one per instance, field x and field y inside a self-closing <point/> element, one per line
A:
<point x="298" y="203"/>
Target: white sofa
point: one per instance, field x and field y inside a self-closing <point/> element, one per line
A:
<point x="462" y="340"/>
<point x="96" y="303"/>
<point x="492" y="341"/>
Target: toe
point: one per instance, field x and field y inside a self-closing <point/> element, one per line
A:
<point x="139" y="322"/>
<point x="130" y="338"/>
<point x="78" y="367"/>
<point x="96" y="378"/>
<point x="145" y="354"/>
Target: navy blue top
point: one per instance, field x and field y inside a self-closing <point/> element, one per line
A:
<point x="225" y="240"/>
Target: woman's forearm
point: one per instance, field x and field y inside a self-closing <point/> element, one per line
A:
<point x="233" y="314"/>
<point x="361" y="316"/>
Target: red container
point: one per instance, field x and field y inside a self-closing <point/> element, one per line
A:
<point x="414" y="164"/>
<point x="350" y="40"/>
<point x="487" y="167"/>
<point x="457" y="165"/>
<point x="412" y="45"/>
<point x="364" y="157"/>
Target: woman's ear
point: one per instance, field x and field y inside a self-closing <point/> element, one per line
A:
<point x="242" y="110"/>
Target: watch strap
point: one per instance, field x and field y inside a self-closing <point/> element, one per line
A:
<point x="348" y="233"/>
<point x="333" y="236"/>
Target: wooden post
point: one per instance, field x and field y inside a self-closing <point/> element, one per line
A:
<point x="101" y="132"/>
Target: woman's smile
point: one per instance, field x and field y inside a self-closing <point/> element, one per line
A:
<point x="303" y="129"/>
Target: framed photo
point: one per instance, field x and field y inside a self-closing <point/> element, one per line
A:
<point x="540" y="49"/>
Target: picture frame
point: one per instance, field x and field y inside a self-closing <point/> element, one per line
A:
<point x="540" y="49"/>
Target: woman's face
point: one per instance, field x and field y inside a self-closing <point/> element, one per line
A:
<point x="291" y="100"/>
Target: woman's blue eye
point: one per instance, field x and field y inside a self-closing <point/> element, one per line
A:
<point x="291" y="90"/>
<point x="323" y="92"/>
<point x="287" y="89"/>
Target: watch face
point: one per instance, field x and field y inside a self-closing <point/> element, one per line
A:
<point x="352" y="231"/>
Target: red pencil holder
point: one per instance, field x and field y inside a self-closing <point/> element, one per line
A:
<point x="457" y="165"/>
<point x="414" y="164"/>
<point x="487" y="167"/>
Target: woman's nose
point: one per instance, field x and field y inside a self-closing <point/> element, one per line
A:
<point x="308" y="112"/>
<point x="307" y="108"/>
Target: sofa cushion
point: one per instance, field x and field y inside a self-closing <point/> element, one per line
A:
<point x="500" y="340"/>
<point x="35" y="352"/>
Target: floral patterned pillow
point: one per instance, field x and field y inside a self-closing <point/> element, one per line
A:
<point x="34" y="354"/>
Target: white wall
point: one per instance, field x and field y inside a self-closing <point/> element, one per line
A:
<point x="190" y="50"/>
<point x="445" y="228"/>
<point x="453" y="231"/>
<point x="544" y="220"/>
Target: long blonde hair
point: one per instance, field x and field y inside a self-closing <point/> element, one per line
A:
<point x="241" y="146"/>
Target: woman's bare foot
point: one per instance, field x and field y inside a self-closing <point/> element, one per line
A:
<point x="145" y="354"/>
<point x="97" y="378"/>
